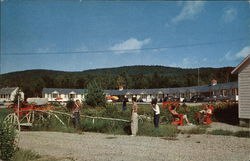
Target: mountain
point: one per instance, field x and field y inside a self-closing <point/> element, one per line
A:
<point x="32" y="81"/>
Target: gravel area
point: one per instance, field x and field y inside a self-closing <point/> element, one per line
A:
<point x="104" y="147"/>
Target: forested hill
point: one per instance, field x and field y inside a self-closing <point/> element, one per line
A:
<point x="32" y="81"/>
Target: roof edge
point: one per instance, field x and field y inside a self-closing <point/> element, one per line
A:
<point x="236" y="69"/>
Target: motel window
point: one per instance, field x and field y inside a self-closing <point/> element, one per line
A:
<point x="54" y="95"/>
<point x="224" y="92"/>
<point x="72" y="96"/>
<point x="144" y="96"/>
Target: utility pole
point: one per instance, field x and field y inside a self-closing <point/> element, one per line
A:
<point x="198" y="76"/>
<point x="18" y="104"/>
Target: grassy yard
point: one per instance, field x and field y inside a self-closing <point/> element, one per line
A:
<point x="115" y="127"/>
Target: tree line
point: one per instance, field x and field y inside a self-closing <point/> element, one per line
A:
<point x="132" y="77"/>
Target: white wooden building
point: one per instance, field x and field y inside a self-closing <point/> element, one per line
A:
<point x="243" y="71"/>
<point x="8" y="94"/>
<point x="63" y="95"/>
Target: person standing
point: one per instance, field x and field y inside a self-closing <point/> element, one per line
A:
<point x="124" y="103"/>
<point x="76" y="113"/>
<point x="156" y="110"/>
<point x="134" y="117"/>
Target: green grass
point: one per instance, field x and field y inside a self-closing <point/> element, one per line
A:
<point x="195" y="130"/>
<point x="221" y="132"/>
<point x="245" y="134"/>
<point x="29" y="155"/>
<point x="25" y="155"/>
<point x="104" y="126"/>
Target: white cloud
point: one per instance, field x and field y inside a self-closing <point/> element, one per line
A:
<point x="186" y="63"/>
<point x="229" y="56"/>
<point x="229" y="15"/>
<point x="189" y="11"/>
<point x="243" y="53"/>
<point x="129" y="44"/>
<point x="204" y="59"/>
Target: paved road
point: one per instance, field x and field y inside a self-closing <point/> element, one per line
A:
<point x="103" y="147"/>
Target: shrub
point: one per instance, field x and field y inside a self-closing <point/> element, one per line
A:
<point x="104" y="126"/>
<point x="7" y="141"/>
<point x="227" y="113"/>
<point x="70" y="105"/>
<point x="51" y="123"/>
<point x="95" y="95"/>
<point x="4" y="112"/>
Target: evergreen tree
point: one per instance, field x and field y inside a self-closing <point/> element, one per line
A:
<point x="95" y="94"/>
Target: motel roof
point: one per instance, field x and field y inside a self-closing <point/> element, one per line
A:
<point x="63" y="90"/>
<point x="193" y="89"/>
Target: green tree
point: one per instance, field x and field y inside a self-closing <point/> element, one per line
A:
<point x="120" y="81"/>
<point x="95" y="94"/>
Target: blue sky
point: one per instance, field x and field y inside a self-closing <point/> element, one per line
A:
<point x="81" y="35"/>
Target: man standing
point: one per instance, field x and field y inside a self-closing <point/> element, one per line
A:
<point x="76" y="113"/>
<point x="124" y="103"/>
<point x="156" y="110"/>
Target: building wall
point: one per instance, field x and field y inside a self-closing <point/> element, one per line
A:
<point x="244" y="92"/>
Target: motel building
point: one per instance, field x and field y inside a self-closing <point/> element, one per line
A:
<point x="229" y="90"/>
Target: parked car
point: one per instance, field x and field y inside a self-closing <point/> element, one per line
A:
<point x="1" y="103"/>
<point x="219" y="98"/>
<point x="198" y="98"/>
<point x="170" y="100"/>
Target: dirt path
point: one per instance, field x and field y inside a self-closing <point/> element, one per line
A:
<point x="103" y="147"/>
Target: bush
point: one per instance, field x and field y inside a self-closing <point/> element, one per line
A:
<point x="95" y="95"/>
<point x="51" y="123"/>
<point x="227" y="113"/>
<point x="4" y="112"/>
<point x="7" y="141"/>
<point x="104" y="126"/>
<point x="70" y="105"/>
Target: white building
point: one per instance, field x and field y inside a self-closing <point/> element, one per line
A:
<point x="63" y="95"/>
<point x="145" y="95"/>
<point x="8" y="94"/>
<point x="243" y="71"/>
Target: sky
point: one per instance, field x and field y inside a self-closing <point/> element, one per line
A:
<point x="79" y="35"/>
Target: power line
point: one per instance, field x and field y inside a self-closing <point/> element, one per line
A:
<point x="125" y="50"/>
